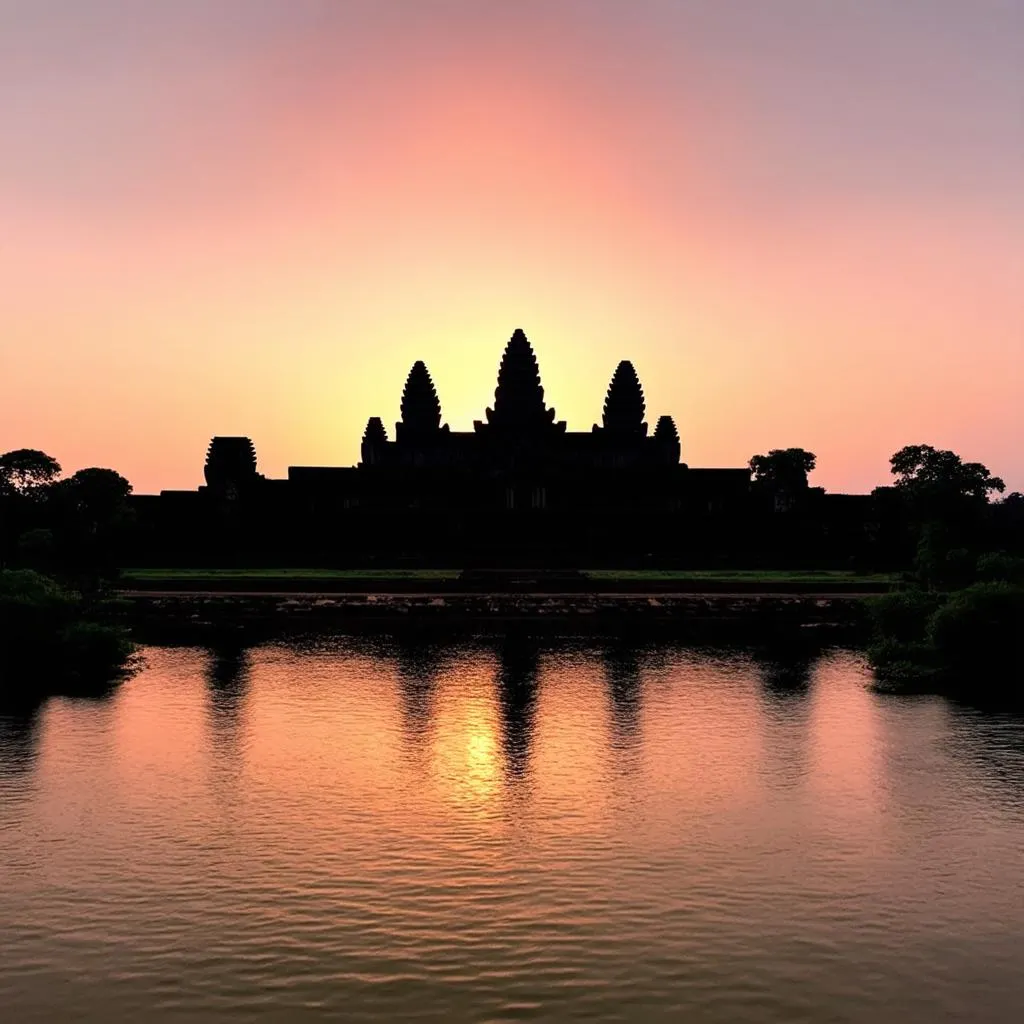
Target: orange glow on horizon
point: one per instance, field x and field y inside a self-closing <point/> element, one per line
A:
<point x="261" y="239"/>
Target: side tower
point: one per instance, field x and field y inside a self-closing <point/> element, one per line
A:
<point x="624" y="405"/>
<point x="230" y="465"/>
<point x="666" y="438"/>
<point x="375" y="441"/>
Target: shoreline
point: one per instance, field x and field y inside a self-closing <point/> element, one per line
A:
<point x="557" y="587"/>
<point x="684" y="616"/>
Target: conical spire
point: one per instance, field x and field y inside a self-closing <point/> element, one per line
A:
<point x="624" y="406"/>
<point x="666" y="435"/>
<point x="519" y="397"/>
<point x="375" y="439"/>
<point x="421" y="410"/>
<point x="666" y="431"/>
<point x="375" y="432"/>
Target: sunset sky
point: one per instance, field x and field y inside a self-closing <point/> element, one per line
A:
<point x="802" y="220"/>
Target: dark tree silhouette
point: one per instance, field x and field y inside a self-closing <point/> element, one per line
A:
<point x="624" y="405"/>
<point x="100" y="495"/>
<point x="519" y="397"/>
<point x="947" y="505"/>
<point x="93" y="511"/>
<point x="783" y="469"/>
<point x="421" y="409"/>
<point x="25" y="469"/>
<point x="26" y="474"/>
<point x="937" y="481"/>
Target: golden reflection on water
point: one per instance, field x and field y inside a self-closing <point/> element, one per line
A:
<point x="466" y="757"/>
<point x="385" y="830"/>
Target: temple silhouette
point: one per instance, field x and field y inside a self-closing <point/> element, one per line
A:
<point x="518" y="489"/>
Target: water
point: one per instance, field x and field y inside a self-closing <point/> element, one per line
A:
<point x="363" y="832"/>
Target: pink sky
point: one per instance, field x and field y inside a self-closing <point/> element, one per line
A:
<point x="803" y="222"/>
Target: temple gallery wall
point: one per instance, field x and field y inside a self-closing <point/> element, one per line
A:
<point x="518" y="487"/>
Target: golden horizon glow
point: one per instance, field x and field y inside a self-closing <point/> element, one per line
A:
<point x="259" y="228"/>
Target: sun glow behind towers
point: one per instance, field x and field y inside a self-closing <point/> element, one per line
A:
<point x="255" y="224"/>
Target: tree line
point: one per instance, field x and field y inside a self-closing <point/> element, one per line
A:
<point x="959" y="612"/>
<point x="70" y="524"/>
<point x="56" y="633"/>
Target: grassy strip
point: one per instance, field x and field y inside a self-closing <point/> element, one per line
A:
<point x="743" y="575"/>
<point x="603" y="575"/>
<point x="170" y="575"/>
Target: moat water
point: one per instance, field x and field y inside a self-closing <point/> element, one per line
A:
<point x="339" y="830"/>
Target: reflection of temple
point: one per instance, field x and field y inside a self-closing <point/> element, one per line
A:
<point x="19" y="740"/>
<point x="623" y="676"/>
<point x="227" y="679"/>
<point x="419" y="666"/>
<point x="518" y="670"/>
<point x="519" y="486"/>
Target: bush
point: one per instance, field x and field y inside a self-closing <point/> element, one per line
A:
<point x="970" y="642"/>
<point x="907" y="677"/>
<point x="904" y="666"/>
<point x="999" y="567"/>
<point x="936" y="567"/>
<point x="888" y="651"/>
<point x="17" y="585"/>
<point x="959" y="568"/>
<point x="51" y="641"/>
<point x="36" y="549"/>
<point x="979" y="632"/>
<point x="32" y="609"/>
<point x="902" y="616"/>
<point x="92" y="654"/>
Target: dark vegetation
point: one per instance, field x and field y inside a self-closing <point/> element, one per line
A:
<point x="55" y="640"/>
<point x="969" y="642"/>
<point x="782" y="475"/>
<point x="953" y="552"/>
<point x="959" y="624"/>
<point x="58" y="548"/>
<point x="72" y="527"/>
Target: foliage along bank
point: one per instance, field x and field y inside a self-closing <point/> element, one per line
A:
<point x="968" y="642"/>
<point x="53" y="640"/>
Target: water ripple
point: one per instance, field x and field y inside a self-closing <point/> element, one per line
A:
<point x="364" y="831"/>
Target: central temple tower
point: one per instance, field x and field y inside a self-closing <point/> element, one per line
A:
<point x="519" y="410"/>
